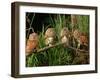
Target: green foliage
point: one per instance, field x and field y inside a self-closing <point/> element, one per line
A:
<point x="83" y="23"/>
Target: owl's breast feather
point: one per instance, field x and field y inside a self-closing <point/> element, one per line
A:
<point x="49" y="40"/>
<point x="31" y="44"/>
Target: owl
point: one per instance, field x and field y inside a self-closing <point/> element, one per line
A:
<point x="80" y="37"/>
<point x="64" y="35"/>
<point x="50" y="36"/>
<point x="32" y="43"/>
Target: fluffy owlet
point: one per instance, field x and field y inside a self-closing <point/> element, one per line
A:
<point x="50" y="36"/>
<point x="80" y="37"/>
<point x="64" y="34"/>
<point x="32" y="43"/>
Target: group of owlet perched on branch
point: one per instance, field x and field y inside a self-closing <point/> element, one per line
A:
<point x="50" y="39"/>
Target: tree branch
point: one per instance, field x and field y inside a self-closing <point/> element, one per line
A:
<point x="48" y="47"/>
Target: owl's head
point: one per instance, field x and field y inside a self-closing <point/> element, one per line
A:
<point x="50" y="32"/>
<point x="76" y="33"/>
<point x="33" y="36"/>
<point x="64" y="32"/>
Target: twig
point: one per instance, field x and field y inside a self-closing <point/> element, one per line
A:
<point x="32" y="20"/>
<point x="30" y="28"/>
<point x="27" y="19"/>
